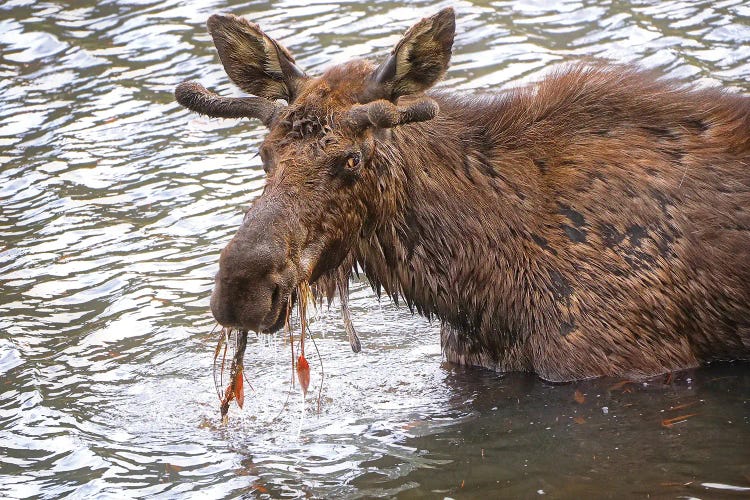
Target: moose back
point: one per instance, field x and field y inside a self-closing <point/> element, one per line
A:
<point x="596" y="223"/>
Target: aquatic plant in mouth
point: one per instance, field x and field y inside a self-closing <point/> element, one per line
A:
<point x="236" y="340"/>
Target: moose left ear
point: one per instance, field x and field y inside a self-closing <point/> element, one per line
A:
<point x="419" y="60"/>
<point x="255" y="62"/>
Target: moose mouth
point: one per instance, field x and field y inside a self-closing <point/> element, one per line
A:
<point x="280" y="311"/>
<point x="284" y="298"/>
<point x="313" y="273"/>
<point x="260" y="305"/>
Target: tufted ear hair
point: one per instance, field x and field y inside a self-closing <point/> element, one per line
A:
<point x="255" y="62"/>
<point x="419" y="59"/>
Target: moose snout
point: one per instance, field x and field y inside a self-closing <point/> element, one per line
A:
<point x="253" y="282"/>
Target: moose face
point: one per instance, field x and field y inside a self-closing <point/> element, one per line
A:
<point x="326" y="183"/>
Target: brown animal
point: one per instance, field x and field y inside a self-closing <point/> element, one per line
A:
<point x="597" y="223"/>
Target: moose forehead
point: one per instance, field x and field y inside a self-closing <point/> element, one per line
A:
<point x="323" y="99"/>
<point x="339" y="85"/>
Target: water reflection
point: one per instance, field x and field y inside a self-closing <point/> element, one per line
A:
<point x="114" y="203"/>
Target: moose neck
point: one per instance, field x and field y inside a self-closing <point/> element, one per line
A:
<point x="450" y="242"/>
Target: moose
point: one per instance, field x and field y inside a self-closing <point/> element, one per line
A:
<point x="596" y="223"/>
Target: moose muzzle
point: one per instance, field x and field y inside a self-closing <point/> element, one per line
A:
<point x="256" y="274"/>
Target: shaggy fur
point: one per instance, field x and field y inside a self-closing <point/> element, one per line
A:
<point x="597" y="223"/>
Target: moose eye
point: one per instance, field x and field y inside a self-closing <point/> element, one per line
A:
<point x="347" y="167"/>
<point x="352" y="161"/>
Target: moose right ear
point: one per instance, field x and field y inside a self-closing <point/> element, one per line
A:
<point x="255" y="62"/>
<point x="419" y="60"/>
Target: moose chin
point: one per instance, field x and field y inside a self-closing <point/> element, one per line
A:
<point x="595" y="223"/>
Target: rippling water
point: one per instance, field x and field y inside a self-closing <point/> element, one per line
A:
<point x="114" y="204"/>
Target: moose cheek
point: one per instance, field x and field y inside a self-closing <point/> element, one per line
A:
<point x="329" y="258"/>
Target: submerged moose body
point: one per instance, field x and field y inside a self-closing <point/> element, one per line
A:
<point x="596" y="223"/>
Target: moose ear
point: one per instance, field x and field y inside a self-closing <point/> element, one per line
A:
<point x="420" y="59"/>
<point x="255" y="62"/>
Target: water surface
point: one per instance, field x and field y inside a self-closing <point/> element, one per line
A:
<point x="114" y="204"/>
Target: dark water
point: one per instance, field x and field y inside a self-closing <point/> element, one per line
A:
<point x="114" y="203"/>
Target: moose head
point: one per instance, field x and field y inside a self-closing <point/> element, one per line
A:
<point x="329" y="172"/>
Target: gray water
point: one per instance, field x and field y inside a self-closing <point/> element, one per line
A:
<point x="114" y="204"/>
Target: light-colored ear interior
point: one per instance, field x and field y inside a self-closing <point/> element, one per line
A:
<point x="419" y="59"/>
<point x="255" y="62"/>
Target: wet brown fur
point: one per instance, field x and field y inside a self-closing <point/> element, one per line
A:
<point x="597" y="223"/>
